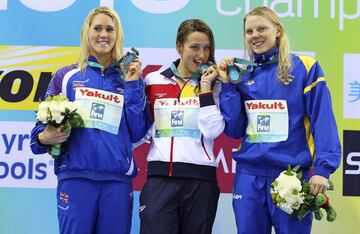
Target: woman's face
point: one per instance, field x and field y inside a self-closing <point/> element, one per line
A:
<point x="102" y="36"/>
<point x="261" y="34"/>
<point x="194" y="52"/>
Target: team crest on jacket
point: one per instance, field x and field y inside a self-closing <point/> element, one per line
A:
<point x="63" y="201"/>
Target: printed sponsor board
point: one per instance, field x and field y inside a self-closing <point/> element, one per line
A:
<point x="351" y="163"/>
<point x="19" y="168"/>
<point x="351" y="83"/>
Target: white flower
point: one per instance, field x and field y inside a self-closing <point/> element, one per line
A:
<point x="286" y="208"/>
<point x="55" y="109"/>
<point x="71" y="106"/>
<point x="287" y="189"/>
<point x="42" y="115"/>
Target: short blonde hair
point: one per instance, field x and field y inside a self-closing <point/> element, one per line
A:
<point x="285" y="61"/>
<point x="85" y="46"/>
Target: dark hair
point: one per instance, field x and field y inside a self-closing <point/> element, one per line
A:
<point x="195" y="25"/>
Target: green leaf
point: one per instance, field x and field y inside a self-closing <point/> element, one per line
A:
<point x="299" y="175"/>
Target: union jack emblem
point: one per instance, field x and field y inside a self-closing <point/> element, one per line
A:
<point x="64" y="197"/>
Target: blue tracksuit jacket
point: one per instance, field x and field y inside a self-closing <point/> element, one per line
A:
<point x="312" y="137"/>
<point x="93" y="153"/>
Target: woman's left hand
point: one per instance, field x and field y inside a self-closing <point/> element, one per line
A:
<point x="318" y="184"/>
<point x="134" y="70"/>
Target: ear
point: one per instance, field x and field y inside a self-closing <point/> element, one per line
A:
<point x="179" y="49"/>
<point x="279" y="32"/>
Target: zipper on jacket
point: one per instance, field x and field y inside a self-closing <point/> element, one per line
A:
<point x="171" y="155"/>
<point x="102" y="71"/>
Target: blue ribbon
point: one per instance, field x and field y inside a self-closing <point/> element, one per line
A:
<point x="196" y="75"/>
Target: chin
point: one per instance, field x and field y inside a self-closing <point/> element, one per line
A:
<point x="260" y="51"/>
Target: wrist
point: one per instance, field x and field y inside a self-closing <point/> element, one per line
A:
<point x="205" y="82"/>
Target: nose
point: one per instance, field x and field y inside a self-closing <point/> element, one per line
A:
<point x="202" y="53"/>
<point x="256" y="34"/>
<point x="103" y="33"/>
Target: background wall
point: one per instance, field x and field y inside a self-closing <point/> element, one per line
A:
<point x="39" y="36"/>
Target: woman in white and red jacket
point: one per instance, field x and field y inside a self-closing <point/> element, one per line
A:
<point x="181" y="192"/>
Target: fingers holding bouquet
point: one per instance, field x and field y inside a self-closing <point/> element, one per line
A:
<point x="318" y="184"/>
<point x="54" y="135"/>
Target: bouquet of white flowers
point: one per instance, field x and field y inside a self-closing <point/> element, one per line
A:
<point x="55" y="111"/>
<point x="292" y="195"/>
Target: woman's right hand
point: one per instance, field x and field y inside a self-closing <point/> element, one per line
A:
<point x="53" y="136"/>
<point x="223" y="69"/>
<point x="134" y="70"/>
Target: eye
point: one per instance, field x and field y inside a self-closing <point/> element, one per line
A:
<point x="195" y="47"/>
<point x="110" y="29"/>
<point x="249" y="31"/>
<point x="97" y="28"/>
<point x="262" y="28"/>
<point x="207" y="48"/>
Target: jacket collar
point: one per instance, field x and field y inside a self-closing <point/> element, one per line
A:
<point x="266" y="57"/>
<point x="168" y="72"/>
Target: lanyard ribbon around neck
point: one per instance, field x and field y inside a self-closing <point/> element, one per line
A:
<point x="196" y="75"/>
<point x="122" y="64"/>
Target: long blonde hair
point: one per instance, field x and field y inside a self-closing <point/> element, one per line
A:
<point x="84" y="36"/>
<point x="285" y="61"/>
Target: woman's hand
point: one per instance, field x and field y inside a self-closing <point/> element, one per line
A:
<point x="209" y="75"/>
<point x="223" y="69"/>
<point x="318" y="184"/>
<point x="134" y="70"/>
<point x="53" y="136"/>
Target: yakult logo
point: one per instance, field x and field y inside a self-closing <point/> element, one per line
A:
<point x="99" y="94"/>
<point x="175" y="102"/>
<point x="265" y="106"/>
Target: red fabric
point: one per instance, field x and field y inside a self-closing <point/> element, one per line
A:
<point x="326" y="204"/>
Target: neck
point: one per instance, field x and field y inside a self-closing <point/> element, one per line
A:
<point x="105" y="61"/>
<point x="183" y="71"/>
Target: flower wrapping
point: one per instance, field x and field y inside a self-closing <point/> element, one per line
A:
<point x="55" y="111"/>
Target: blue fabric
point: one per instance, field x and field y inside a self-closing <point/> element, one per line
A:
<point x="86" y="206"/>
<point x="256" y="213"/>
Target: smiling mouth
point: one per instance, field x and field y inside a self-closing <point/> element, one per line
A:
<point x="258" y="43"/>
<point x="198" y="63"/>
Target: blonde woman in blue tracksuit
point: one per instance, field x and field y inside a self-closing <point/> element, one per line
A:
<point x="94" y="192"/>
<point x="282" y="110"/>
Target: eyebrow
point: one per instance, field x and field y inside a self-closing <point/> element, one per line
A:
<point x="97" y="25"/>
